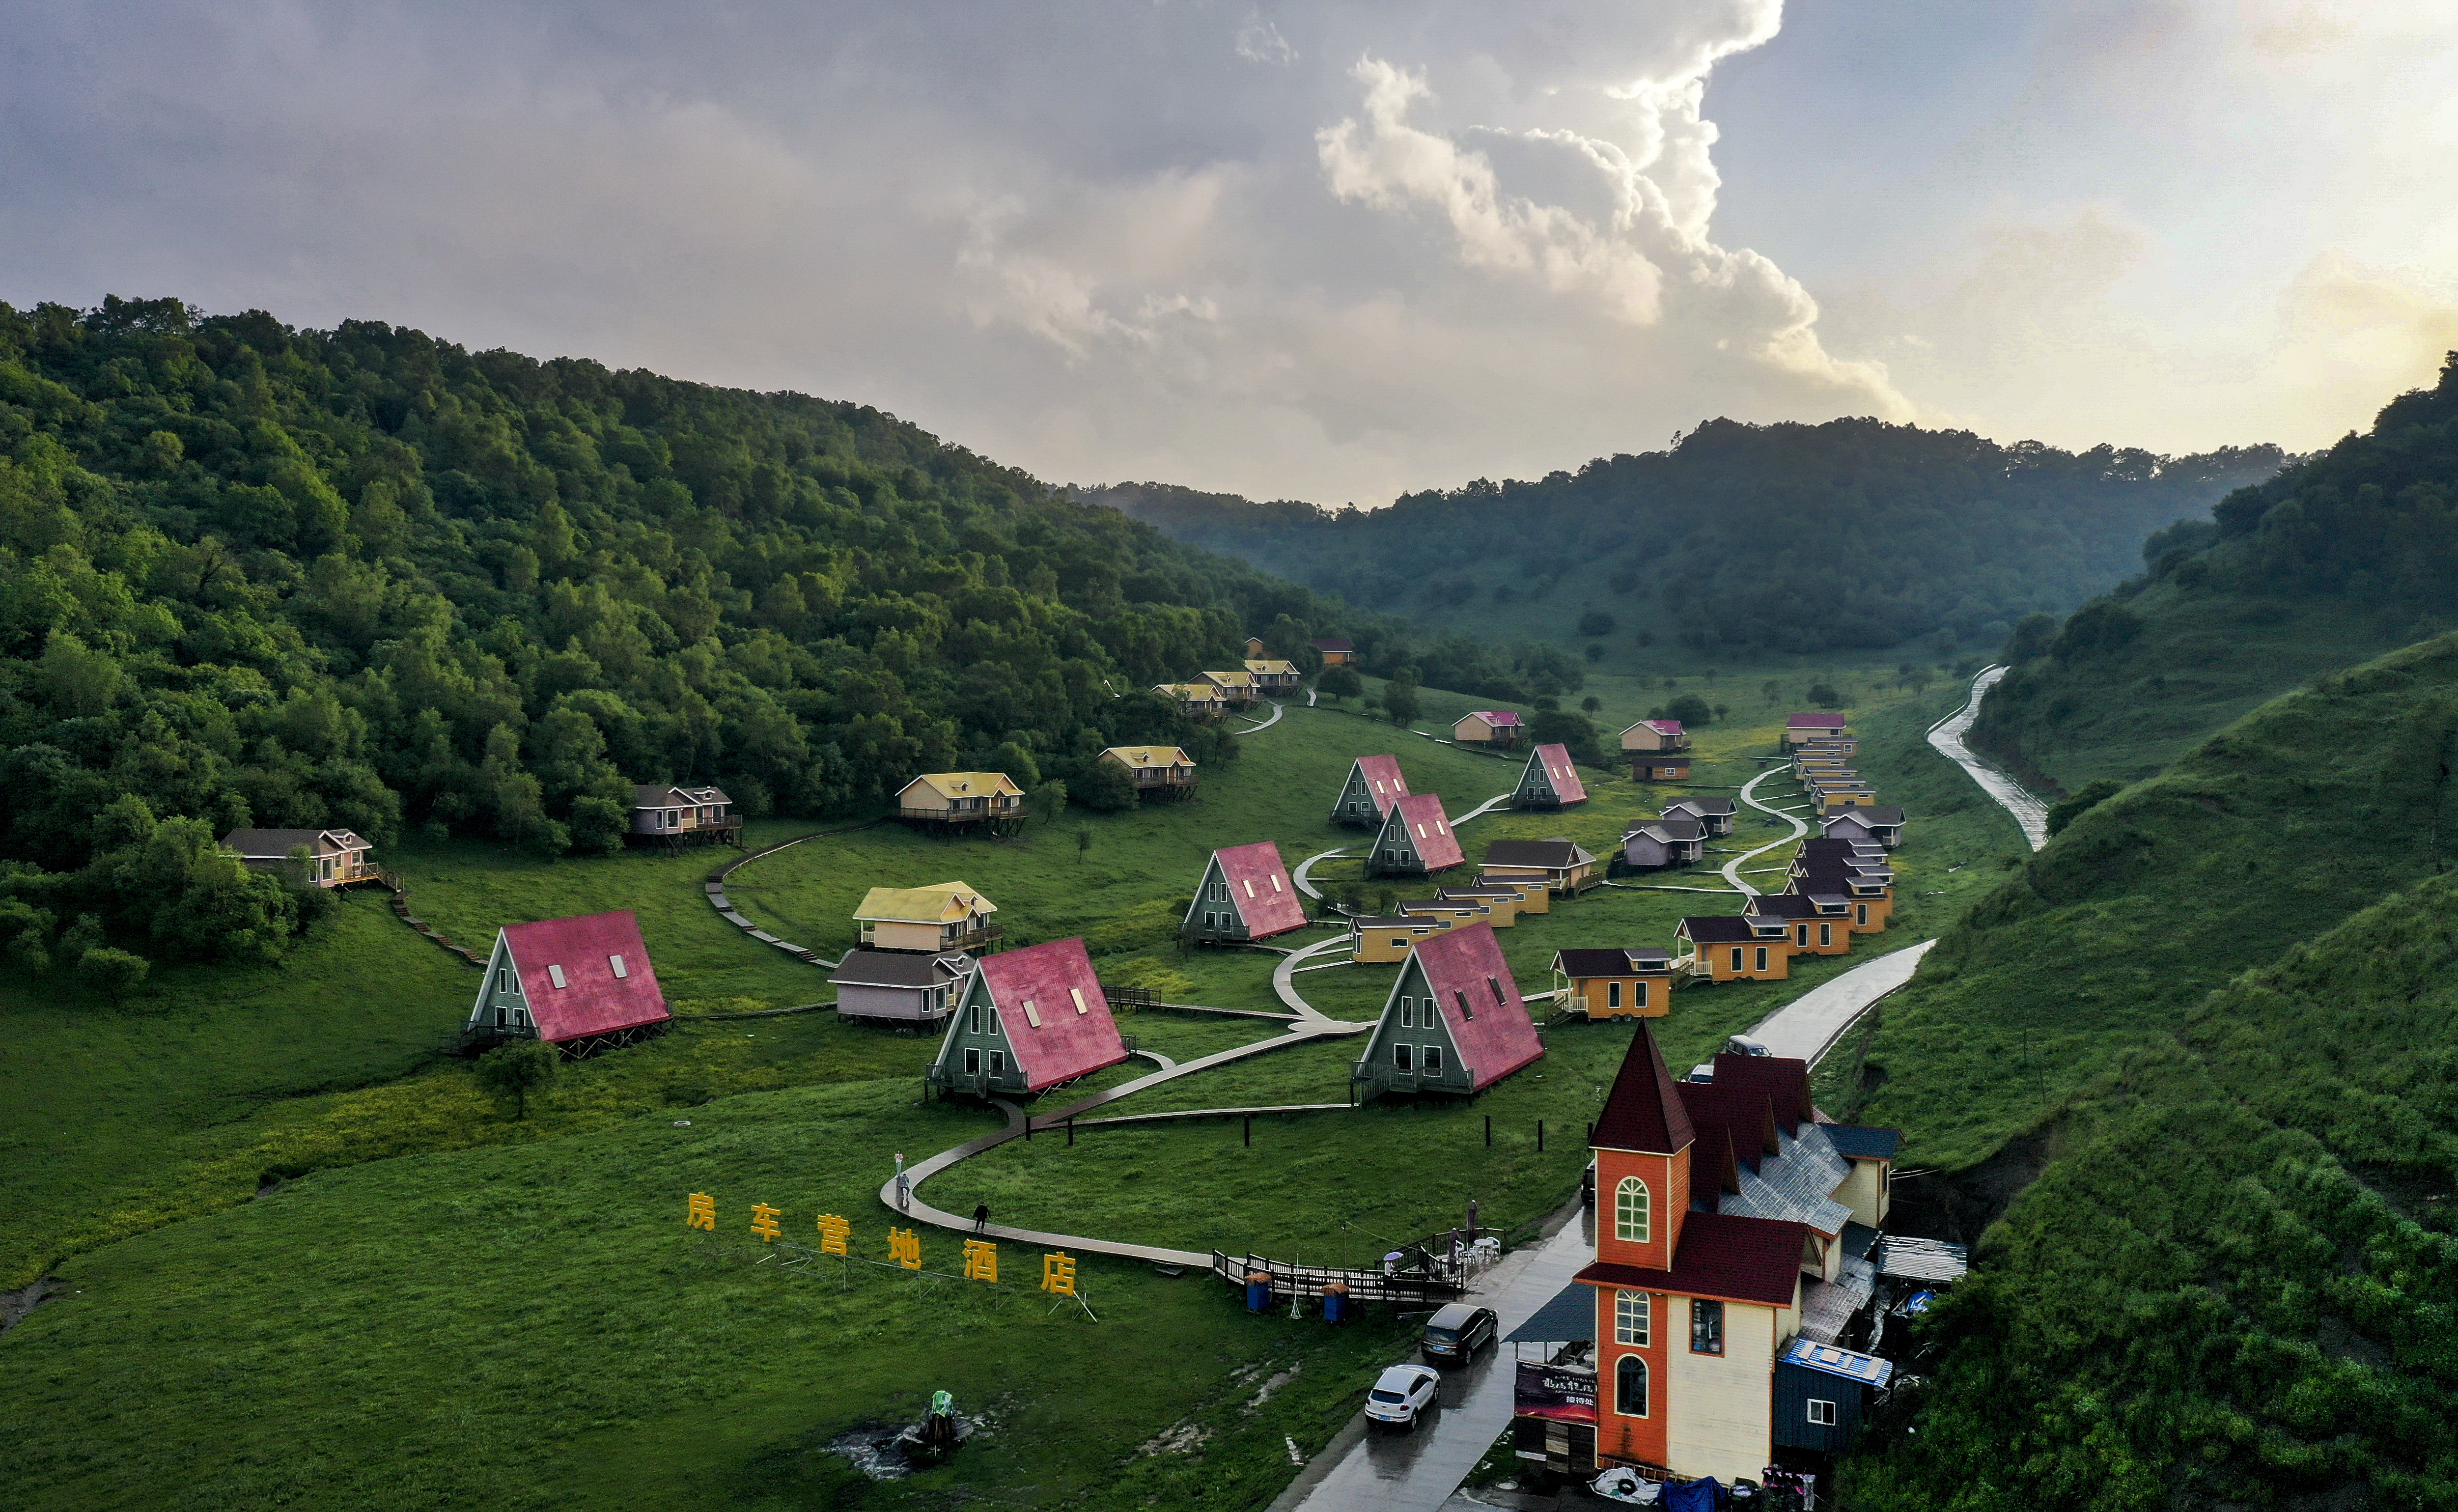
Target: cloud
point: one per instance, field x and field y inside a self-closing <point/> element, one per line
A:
<point x="1259" y="41"/>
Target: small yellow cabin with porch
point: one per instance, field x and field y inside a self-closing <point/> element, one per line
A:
<point x="962" y="798"/>
<point x="945" y="916"/>
<point x="1158" y="771"/>
<point x="1752" y="947"/>
<point x="1616" y="984"/>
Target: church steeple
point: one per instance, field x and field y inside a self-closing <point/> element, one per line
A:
<point x="1643" y="1144"/>
<point x="1644" y="1112"/>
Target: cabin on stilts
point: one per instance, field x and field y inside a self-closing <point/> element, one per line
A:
<point x="955" y="801"/>
<point x="669" y="816"/>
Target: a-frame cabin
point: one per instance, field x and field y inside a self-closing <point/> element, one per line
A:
<point x="1454" y="1024"/>
<point x="1550" y="781"/>
<point x="581" y="985"/>
<point x="1415" y="840"/>
<point x="1374" y="784"/>
<point x="1245" y="894"/>
<point x="1030" y="1020"/>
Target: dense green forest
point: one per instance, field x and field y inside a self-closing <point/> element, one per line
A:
<point x="1742" y="539"/>
<point x="2340" y="557"/>
<point x="258" y="575"/>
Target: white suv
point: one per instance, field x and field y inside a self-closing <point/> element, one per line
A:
<point x="1400" y="1393"/>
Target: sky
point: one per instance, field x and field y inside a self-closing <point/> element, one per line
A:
<point x="1335" y="252"/>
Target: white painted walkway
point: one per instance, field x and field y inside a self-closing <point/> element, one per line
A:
<point x="1749" y="797"/>
<point x="1303" y="882"/>
<point x="2029" y="809"/>
<point x="1277" y="711"/>
<point x="1805" y="1027"/>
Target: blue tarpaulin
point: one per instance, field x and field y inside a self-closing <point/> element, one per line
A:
<point x="1692" y="1495"/>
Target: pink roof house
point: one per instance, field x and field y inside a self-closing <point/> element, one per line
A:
<point x="1030" y="1020"/>
<point x="1550" y="781"/>
<point x="566" y="980"/>
<point x="1454" y="1020"/>
<point x="1415" y="839"/>
<point x="1245" y="894"/>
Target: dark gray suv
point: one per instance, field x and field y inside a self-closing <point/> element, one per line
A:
<point x="1454" y="1335"/>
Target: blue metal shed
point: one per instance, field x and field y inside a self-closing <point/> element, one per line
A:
<point x="1821" y="1393"/>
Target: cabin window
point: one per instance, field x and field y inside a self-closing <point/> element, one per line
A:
<point x="1737" y="958"/>
<point x="994" y="1022"/>
<point x="1408" y="1013"/>
<point x="554" y="974"/>
<point x="972" y="1062"/>
<point x="1031" y="1013"/>
<point x="1631" y="1318"/>
<point x="1403" y="1057"/>
<point x="1399" y="944"/>
<point x="1822" y="1413"/>
<point x="1803" y="931"/>
<point x="1706" y="1327"/>
<point x="1630" y="1387"/>
<point x="1825" y="934"/>
<point x="998" y="1063"/>
<point x="616" y="964"/>
<point x="1612" y="994"/>
<point x="1638" y="997"/>
<point x="1495" y="985"/>
<point x="1421" y="832"/>
<point x="503" y="983"/>
<point x="973" y="1018"/>
<point x="1860" y="913"/>
<point x="1433" y="1060"/>
<point x="1466" y="1011"/>
<point x="1762" y="958"/>
<point x="1276" y="882"/>
<point x="1249" y="886"/>
<point x="1077" y="993"/>
<point x="1634" y="1219"/>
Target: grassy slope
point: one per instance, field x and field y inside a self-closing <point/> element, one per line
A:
<point x="2273" y="831"/>
<point x="520" y="1304"/>
<point x="2235" y="1288"/>
<point x="2201" y="661"/>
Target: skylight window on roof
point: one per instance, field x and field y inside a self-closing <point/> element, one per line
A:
<point x="621" y="971"/>
<point x="1032" y="1014"/>
<point x="1466" y="1011"/>
<point x="554" y="974"/>
<point x="1077" y="993"/>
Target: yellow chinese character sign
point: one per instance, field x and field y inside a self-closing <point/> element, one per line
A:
<point x="905" y="1248"/>
<point x="981" y="1260"/>
<point x="763" y="1222"/>
<point x="1058" y="1274"/>
<point x="833" y="1230"/>
<point x="701" y="1212"/>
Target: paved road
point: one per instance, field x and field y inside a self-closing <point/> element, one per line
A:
<point x="2030" y="811"/>
<point x="1806" y="1025"/>
<point x="1380" y="1470"/>
<point x="1749" y="797"/>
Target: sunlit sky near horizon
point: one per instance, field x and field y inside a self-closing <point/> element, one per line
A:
<point x="1329" y="252"/>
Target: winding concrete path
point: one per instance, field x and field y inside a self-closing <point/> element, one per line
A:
<point x="2030" y="811"/>
<point x="1303" y="882"/>
<point x="1485" y="808"/>
<point x="1749" y="795"/>
<point x="1308" y="1013"/>
<point x="1805" y="1027"/>
<point x="1277" y="711"/>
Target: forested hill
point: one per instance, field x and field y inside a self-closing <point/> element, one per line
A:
<point x="1789" y="537"/>
<point x="2340" y="557"/>
<point x="258" y="575"/>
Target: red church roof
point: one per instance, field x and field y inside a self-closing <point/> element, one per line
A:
<point x="1783" y="1081"/>
<point x="1720" y="1255"/>
<point x="1066" y="1044"/>
<point x="1498" y="1038"/>
<point x="1566" y="786"/>
<point x="1260" y="888"/>
<point x="1383" y="779"/>
<point x="593" y="1000"/>
<point x="1644" y="1111"/>
<point x="1437" y="847"/>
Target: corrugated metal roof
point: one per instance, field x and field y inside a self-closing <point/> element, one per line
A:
<point x="1498" y="1038"/>
<point x="1816" y="721"/>
<point x="891" y="968"/>
<point x="1069" y="1041"/>
<point x="1850" y="1364"/>
<point x="1914" y="1259"/>
<point x="1856" y="1143"/>
<point x="1559" y="770"/>
<point x="1494" y="716"/>
<point x="1743" y="1259"/>
<point x="1261" y="887"/>
<point x="1429" y="828"/>
<point x="592" y="999"/>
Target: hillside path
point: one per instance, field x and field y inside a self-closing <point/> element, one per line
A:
<point x="1806" y="1027"/>
<point x="1749" y="795"/>
<point x="1277" y="711"/>
<point x="1305" y="883"/>
<point x="2030" y="811"/>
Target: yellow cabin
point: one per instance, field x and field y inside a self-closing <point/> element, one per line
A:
<point x="1756" y="947"/>
<point x="1501" y="902"/>
<point x="947" y="916"/>
<point x="1198" y="698"/>
<point x="1382" y="941"/>
<point x="1616" y="984"/>
<point x="1236" y="687"/>
<point x="1487" y="727"/>
<point x="1535" y="893"/>
<point x="959" y="798"/>
<point x="1273" y="675"/>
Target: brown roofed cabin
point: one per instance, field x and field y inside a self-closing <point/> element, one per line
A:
<point x="1822" y="923"/>
<point x="1487" y="727"/>
<point x="1659" y="766"/>
<point x="1655" y="735"/>
<point x="1616" y="984"/>
<point x="581" y="985"/>
<point x="945" y="916"/>
<point x="1162" y="772"/>
<point x="1030" y="1020"/>
<point x="1727" y="947"/>
<point x="1415" y="839"/>
<point x="955" y="800"/>
<point x="1566" y="868"/>
<point x="667" y="814"/>
<point x="1550" y="781"/>
<point x="1455" y="1022"/>
<point x="889" y="986"/>
<point x="1881" y="822"/>
<point x="1814" y="726"/>
<point x="1245" y="894"/>
<point x="1374" y="784"/>
<point x="1716" y="813"/>
<point x="1338" y="651"/>
<point x="331" y="859"/>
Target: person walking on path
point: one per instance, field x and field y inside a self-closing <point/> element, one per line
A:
<point x="904" y="1188"/>
<point x="981" y="1217"/>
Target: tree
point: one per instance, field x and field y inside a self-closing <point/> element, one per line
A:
<point x="1826" y="695"/>
<point x="1690" y="709"/>
<point x="1105" y="787"/>
<point x="113" y="973"/>
<point x="1724" y="710"/>
<point x="1574" y="732"/>
<point x="1594" y="623"/>
<point x="1592" y="703"/>
<point x="1596" y="652"/>
<point x="2033" y="636"/>
<point x="1773" y="690"/>
<point x="2089" y="796"/>
<point x="1400" y="702"/>
<point x="1047" y="803"/>
<point x="1083" y="841"/>
<point x="516" y="1069"/>
<point x="1339" y="682"/>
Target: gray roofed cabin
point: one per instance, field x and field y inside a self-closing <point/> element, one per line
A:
<point x="899" y="988"/>
<point x="334" y="858"/>
<point x="666" y="814"/>
<point x="1880" y="822"/>
<point x="1716" y="813"/>
<point x="1664" y="842"/>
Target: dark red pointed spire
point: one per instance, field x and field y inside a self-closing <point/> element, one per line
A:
<point x="1644" y="1112"/>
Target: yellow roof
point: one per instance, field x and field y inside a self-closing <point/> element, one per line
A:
<point x="943" y="903"/>
<point x="1266" y="667"/>
<point x="1186" y="689"/>
<point x="1149" y="756"/>
<point x="1241" y="678"/>
<point x="967" y="784"/>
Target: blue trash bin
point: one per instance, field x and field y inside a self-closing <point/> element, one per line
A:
<point x="1258" y="1293"/>
<point x="1335" y="1303"/>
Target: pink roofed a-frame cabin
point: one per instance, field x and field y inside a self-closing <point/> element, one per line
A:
<point x="1374" y="784"/>
<point x="583" y="982"/>
<point x="1415" y="839"/>
<point x="1550" y="781"/>
<point x="1030" y="1020"/>
<point x="1245" y="894"/>
<point x="1455" y="1022"/>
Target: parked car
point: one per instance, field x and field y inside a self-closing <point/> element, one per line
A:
<point x="1455" y="1333"/>
<point x="1400" y="1393"/>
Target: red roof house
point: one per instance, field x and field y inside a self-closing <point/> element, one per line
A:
<point x="1550" y="781"/>
<point x="1416" y="839"/>
<point x="1374" y="784"/>
<point x="1245" y="894"/>
<point x="1030" y="1020"/>
<point x="1454" y="1020"/>
<point x="565" y="980"/>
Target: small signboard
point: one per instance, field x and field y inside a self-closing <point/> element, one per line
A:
<point x="1554" y="1392"/>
